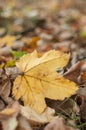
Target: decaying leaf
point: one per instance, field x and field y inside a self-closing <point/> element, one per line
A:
<point x="39" y="79"/>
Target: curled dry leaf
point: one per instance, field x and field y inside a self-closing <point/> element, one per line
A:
<point x="39" y="79"/>
<point x="77" y="73"/>
<point x="10" y="124"/>
<point x="10" y="111"/>
<point x="35" y="118"/>
<point x="5" y="85"/>
<point x="7" y="113"/>
<point x="74" y="72"/>
<point x="8" y="117"/>
<point x="23" y="124"/>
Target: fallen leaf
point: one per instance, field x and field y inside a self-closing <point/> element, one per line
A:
<point x="5" y="51"/>
<point x="18" y="54"/>
<point x="12" y="72"/>
<point x="33" y="42"/>
<point x="10" y="124"/>
<point x="18" y="45"/>
<point x="11" y="111"/>
<point x="23" y="124"/>
<point x="7" y="40"/>
<point x="2" y="105"/>
<point x="8" y="117"/>
<point x="5" y="85"/>
<point x="7" y="112"/>
<point x="64" y="107"/>
<point x="39" y="79"/>
<point x="74" y="72"/>
<point x="58" y="124"/>
<point x="10" y="63"/>
<point x="36" y="118"/>
<point x="83" y="110"/>
<point x="77" y="72"/>
<point x="83" y="77"/>
<point x="82" y="91"/>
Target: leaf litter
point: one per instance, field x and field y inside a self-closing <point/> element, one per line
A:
<point x="50" y="27"/>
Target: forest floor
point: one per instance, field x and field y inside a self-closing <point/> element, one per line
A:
<point x="26" y="26"/>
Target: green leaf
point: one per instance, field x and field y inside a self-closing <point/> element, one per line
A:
<point x="10" y="63"/>
<point x="18" y="54"/>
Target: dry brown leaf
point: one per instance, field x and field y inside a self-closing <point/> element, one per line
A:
<point x="5" y="86"/>
<point x="2" y="105"/>
<point x="23" y="124"/>
<point x="10" y="124"/>
<point x="82" y="92"/>
<point x="83" y="110"/>
<point x="58" y="124"/>
<point x="10" y="111"/>
<point x="83" y="77"/>
<point x="39" y="79"/>
<point x="33" y="42"/>
<point x="8" y="117"/>
<point x="74" y="72"/>
<point x="64" y="107"/>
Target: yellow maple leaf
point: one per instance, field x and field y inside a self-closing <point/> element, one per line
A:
<point x="39" y="79"/>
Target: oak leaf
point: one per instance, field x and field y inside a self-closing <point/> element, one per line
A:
<point x="39" y="79"/>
